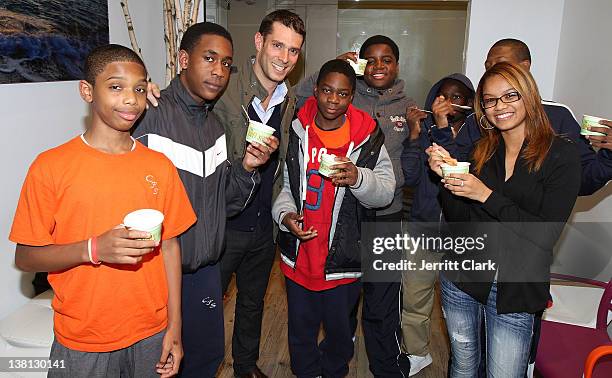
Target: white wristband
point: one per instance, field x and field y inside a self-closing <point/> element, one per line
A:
<point x="89" y="251"/>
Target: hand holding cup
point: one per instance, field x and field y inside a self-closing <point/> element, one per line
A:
<point x="358" y="64"/>
<point x="258" y="154"/>
<point x="346" y="172"/>
<point x="126" y="243"/>
<point x="122" y="246"/>
<point x="467" y="185"/>
<point x="599" y="133"/>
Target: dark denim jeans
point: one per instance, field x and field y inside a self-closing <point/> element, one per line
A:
<point x="508" y="336"/>
<point x="250" y="256"/>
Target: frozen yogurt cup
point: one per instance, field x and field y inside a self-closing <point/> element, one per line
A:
<point x="148" y="220"/>
<point x="358" y="67"/>
<point x="588" y="121"/>
<point x="257" y="132"/>
<point x="461" y="167"/>
<point x="326" y="167"/>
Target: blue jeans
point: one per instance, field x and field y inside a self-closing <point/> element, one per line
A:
<point x="508" y="336"/>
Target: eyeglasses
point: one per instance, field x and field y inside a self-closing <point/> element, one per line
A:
<point x="491" y="102"/>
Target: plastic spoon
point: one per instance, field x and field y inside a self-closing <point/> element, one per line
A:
<point x="462" y="107"/>
<point x="447" y="158"/>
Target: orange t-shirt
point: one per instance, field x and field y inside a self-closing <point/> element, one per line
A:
<point x="73" y="192"/>
<point x="334" y="138"/>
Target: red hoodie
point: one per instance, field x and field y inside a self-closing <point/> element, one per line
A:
<point x="309" y="269"/>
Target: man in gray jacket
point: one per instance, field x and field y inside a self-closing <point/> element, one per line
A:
<point x="259" y="86"/>
<point x="381" y="94"/>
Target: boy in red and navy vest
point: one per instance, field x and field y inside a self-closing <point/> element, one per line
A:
<point x="320" y="219"/>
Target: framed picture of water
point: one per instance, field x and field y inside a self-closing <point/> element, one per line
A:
<point x="48" y="40"/>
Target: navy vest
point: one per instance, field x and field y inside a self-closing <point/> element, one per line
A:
<point x="259" y="210"/>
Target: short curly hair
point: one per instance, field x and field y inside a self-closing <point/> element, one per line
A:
<point x="196" y="31"/>
<point x="379" y="40"/>
<point x="339" y="66"/>
<point x="103" y="55"/>
<point x="519" y="48"/>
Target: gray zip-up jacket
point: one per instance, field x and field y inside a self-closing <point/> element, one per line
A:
<point x="388" y="109"/>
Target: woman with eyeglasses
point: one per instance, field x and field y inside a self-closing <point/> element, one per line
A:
<point x="523" y="183"/>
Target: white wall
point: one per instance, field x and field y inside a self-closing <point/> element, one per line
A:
<point x="321" y="21"/>
<point x="38" y="116"/>
<point x="583" y="76"/>
<point x="583" y="81"/>
<point x="537" y="23"/>
<point x="243" y="22"/>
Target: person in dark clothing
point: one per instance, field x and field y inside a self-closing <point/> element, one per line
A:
<point x="427" y="128"/>
<point x="184" y="129"/>
<point x="440" y="126"/>
<point x="525" y="180"/>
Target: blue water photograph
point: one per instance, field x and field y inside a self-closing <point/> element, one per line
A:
<point x="48" y="40"/>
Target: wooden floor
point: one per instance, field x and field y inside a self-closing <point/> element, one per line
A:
<point x="274" y="352"/>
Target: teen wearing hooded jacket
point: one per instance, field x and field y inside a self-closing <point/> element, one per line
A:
<point x="320" y="236"/>
<point x="440" y="126"/>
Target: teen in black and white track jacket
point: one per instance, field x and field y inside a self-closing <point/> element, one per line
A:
<point x="191" y="136"/>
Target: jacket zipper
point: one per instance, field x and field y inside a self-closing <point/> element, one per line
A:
<point x="335" y="198"/>
<point x="297" y="247"/>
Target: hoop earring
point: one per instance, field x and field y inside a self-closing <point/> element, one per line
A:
<point x="483" y="126"/>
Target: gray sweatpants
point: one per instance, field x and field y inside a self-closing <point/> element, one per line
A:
<point x="136" y="361"/>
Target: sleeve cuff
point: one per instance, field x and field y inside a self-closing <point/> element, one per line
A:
<point x="359" y="180"/>
<point x="240" y="171"/>
<point x="607" y="154"/>
<point x="494" y="203"/>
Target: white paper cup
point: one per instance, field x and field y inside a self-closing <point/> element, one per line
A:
<point x="461" y="167"/>
<point x="587" y="121"/>
<point x="148" y="220"/>
<point x="257" y="132"/>
<point x="358" y="67"/>
<point x="326" y="167"/>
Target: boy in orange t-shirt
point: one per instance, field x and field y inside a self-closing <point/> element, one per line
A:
<point x="117" y="295"/>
